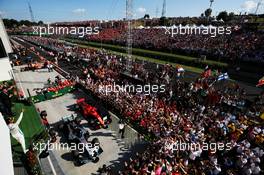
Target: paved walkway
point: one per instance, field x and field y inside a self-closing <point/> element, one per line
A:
<point x="32" y="80"/>
<point x="60" y="161"/>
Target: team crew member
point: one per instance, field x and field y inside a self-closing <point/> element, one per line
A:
<point x="16" y="131"/>
<point x="121" y="128"/>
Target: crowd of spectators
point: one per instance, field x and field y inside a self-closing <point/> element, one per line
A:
<point x="242" y="44"/>
<point x="7" y="91"/>
<point x="106" y="35"/>
<point x="195" y="112"/>
<point x="239" y="45"/>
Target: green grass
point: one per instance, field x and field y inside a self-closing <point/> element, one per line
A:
<point x="260" y="20"/>
<point x="173" y="58"/>
<point x="30" y="126"/>
<point x="157" y="53"/>
<point x="188" y="68"/>
<point x="158" y="61"/>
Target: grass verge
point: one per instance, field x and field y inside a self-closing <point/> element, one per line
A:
<point x="30" y="126"/>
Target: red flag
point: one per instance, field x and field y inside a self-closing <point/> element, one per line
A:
<point x="207" y="73"/>
<point x="260" y="83"/>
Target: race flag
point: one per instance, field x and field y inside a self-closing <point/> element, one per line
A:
<point x="207" y="73"/>
<point x="180" y="69"/>
<point x="261" y="82"/>
<point x="223" y="76"/>
<point x="262" y="116"/>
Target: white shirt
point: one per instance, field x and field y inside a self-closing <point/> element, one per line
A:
<point x="121" y="126"/>
<point x="14" y="128"/>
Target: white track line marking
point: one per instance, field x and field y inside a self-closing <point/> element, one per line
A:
<point x="51" y="166"/>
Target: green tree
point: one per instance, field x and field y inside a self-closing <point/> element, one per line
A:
<point x="10" y="23"/>
<point x="231" y="16"/>
<point x="25" y="22"/>
<point x="146" y="16"/>
<point x="40" y="23"/>
<point x="163" y="21"/>
<point x="222" y="15"/>
<point x="208" y="12"/>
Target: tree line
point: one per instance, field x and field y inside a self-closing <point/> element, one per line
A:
<point x="12" y="23"/>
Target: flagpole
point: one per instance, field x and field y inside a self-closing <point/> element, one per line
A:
<point x="212" y="83"/>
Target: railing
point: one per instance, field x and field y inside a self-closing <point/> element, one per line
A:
<point x="19" y="169"/>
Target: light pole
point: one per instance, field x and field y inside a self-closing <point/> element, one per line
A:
<point x="129" y="16"/>
<point x="258" y="5"/>
<point x="211" y="3"/>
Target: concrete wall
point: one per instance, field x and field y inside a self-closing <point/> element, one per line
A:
<point x="5" y="67"/>
<point x="131" y="136"/>
<point x="5" y="38"/>
<point x="6" y="160"/>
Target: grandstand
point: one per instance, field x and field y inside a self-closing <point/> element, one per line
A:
<point x="133" y="95"/>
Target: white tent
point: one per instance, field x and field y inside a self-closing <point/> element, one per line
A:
<point x="202" y="27"/>
<point x="140" y="27"/>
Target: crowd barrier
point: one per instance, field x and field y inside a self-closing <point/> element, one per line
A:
<point x="148" y="136"/>
<point x="51" y="95"/>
